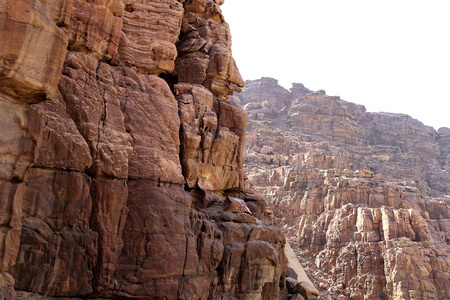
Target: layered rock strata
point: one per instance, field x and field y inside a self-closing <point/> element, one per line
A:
<point x="365" y="195"/>
<point x="118" y="151"/>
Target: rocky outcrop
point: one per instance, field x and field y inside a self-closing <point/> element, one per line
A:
<point x="361" y="196"/>
<point x="118" y="154"/>
<point x="204" y="50"/>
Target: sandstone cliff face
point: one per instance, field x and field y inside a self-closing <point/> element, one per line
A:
<point x="118" y="150"/>
<point x="364" y="195"/>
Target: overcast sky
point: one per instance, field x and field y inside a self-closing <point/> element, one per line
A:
<point x="388" y="55"/>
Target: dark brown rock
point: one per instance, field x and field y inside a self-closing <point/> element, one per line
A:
<point x="291" y="283"/>
<point x="56" y="241"/>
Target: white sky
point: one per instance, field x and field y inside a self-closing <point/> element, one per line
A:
<point x="389" y="55"/>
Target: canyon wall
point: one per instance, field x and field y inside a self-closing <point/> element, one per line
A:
<point x="363" y="197"/>
<point x="121" y="160"/>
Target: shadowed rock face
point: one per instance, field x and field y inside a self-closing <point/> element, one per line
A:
<point x="112" y="179"/>
<point x="364" y="194"/>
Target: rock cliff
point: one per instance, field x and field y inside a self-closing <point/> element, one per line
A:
<point x="120" y="160"/>
<point x="364" y="197"/>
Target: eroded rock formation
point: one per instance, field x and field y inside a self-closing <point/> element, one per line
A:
<point x="117" y="150"/>
<point x="364" y="195"/>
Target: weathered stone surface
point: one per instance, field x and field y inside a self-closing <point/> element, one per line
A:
<point x="109" y="213"/>
<point x="26" y="26"/>
<point x="145" y="268"/>
<point x="87" y="88"/>
<point x="17" y="145"/>
<point x="56" y="241"/>
<point x="266" y="92"/>
<point x="235" y="205"/>
<point x="150" y="31"/>
<point x="96" y="27"/>
<point x="59" y="144"/>
<point x="251" y="267"/>
<point x="26" y="76"/>
<point x="362" y="196"/>
<point x="211" y="151"/>
<point x="151" y="119"/>
<point x="11" y="225"/>
<point x="205" y="50"/>
<point x="111" y="187"/>
<point x="209" y="256"/>
<point x="110" y="107"/>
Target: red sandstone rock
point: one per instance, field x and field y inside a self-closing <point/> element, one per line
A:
<point x="109" y="213"/>
<point x="96" y="28"/>
<point x="266" y="91"/>
<point x="205" y="50"/>
<point x="26" y="76"/>
<point x="150" y="30"/>
<point x="17" y="144"/>
<point x="59" y="144"/>
<point x="235" y="205"/>
<point x="56" y="241"/>
<point x="94" y="199"/>
<point x="87" y="88"/>
<point x="151" y="119"/>
<point x="212" y="145"/>
<point x="26" y="26"/>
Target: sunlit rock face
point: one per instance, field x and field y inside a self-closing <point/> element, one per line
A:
<point x="117" y="149"/>
<point x="204" y="50"/>
<point x="363" y="194"/>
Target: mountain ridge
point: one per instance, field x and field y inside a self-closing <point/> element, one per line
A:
<point x="363" y="197"/>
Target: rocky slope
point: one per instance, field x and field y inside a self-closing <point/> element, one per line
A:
<point x="364" y="196"/>
<point x="121" y="162"/>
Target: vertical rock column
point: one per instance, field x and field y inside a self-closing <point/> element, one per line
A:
<point x="155" y="233"/>
<point x="204" y="50"/>
<point x="211" y="153"/>
<point x="26" y="76"/>
<point x="74" y="203"/>
<point x="212" y="139"/>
